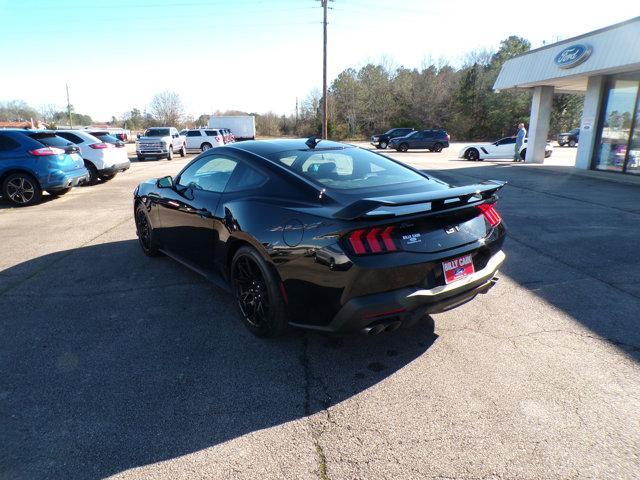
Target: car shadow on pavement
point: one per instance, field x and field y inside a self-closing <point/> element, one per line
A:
<point x="111" y="360"/>
<point x="569" y="242"/>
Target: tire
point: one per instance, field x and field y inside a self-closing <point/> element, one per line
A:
<point x="403" y="147"/>
<point x="472" y="155"/>
<point x="205" y="146"/>
<point x="106" y="178"/>
<point x="561" y="144"/>
<point x="572" y="143"/>
<point x="140" y="158"/>
<point x="93" y="173"/>
<point x="523" y="154"/>
<point x="257" y="294"/>
<point x="383" y="145"/>
<point x="59" y="193"/>
<point x="21" y="190"/>
<point x="183" y="150"/>
<point x="437" y="148"/>
<point x="170" y="154"/>
<point x="144" y="232"/>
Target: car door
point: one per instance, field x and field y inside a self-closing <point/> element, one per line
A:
<point x="503" y="148"/>
<point x="176" y="141"/>
<point x="187" y="212"/>
<point x="194" y="138"/>
<point x="418" y="140"/>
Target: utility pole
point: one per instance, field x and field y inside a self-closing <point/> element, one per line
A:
<point x="69" y="107"/>
<point x="324" y="70"/>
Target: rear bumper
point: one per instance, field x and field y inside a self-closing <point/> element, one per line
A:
<point x="120" y="167"/>
<point x="361" y="313"/>
<point x="63" y="180"/>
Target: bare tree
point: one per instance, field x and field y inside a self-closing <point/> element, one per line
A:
<point x="166" y="108"/>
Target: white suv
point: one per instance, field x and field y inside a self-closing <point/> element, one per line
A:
<point x="103" y="160"/>
<point x="203" y="138"/>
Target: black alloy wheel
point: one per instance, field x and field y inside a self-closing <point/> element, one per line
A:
<point x="145" y="232"/>
<point x="403" y="147"/>
<point x="437" y="148"/>
<point x="93" y="173"/>
<point x="473" y="154"/>
<point x="256" y="293"/>
<point x="21" y="189"/>
<point x="572" y="143"/>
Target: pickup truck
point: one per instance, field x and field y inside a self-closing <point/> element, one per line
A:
<point x="160" y="142"/>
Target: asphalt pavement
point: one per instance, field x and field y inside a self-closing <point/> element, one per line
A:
<point x="117" y="365"/>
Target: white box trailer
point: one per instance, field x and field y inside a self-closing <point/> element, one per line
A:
<point x="243" y="127"/>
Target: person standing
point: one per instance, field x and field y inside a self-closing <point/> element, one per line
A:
<point x="520" y="136"/>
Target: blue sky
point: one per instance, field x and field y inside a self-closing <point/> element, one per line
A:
<point x="247" y="54"/>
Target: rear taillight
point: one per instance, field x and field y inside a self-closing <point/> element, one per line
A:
<point x="490" y="213"/>
<point x="41" y="152"/>
<point x="100" y="146"/>
<point x="372" y="240"/>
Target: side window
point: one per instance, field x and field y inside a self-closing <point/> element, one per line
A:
<point x="193" y="133"/>
<point x="7" y="144"/>
<point x="507" y="141"/>
<point x="71" y="137"/>
<point x="211" y="173"/>
<point x="246" y="178"/>
<point x="210" y="133"/>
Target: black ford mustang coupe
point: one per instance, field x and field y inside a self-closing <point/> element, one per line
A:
<point x="324" y="235"/>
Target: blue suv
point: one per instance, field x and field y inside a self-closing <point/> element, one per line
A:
<point x="32" y="161"/>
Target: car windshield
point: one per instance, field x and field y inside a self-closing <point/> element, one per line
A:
<point x="157" y="132"/>
<point x="347" y="168"/>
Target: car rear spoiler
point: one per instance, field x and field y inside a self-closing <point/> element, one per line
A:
<point x="433" y="201"/>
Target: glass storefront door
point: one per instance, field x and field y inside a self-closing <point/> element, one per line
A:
<point x="617" y="150"/>
<point x="633" y="155"/>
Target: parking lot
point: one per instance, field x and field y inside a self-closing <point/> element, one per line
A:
<point x="116" y="364"/>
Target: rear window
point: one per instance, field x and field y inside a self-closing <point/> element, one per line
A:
<point x="157" y="132"/>
<point x="211" y="133"/>
<point x="105" y="137"/>
<point x="347" y="168"/>
<point x="50" y="140"/>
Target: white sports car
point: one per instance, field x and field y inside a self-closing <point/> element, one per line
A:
<point x="503" y="148"/>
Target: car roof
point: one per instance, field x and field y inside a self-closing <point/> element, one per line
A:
<point x="267" y="147"/>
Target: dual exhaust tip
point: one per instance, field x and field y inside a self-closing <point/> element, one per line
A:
<point x="382" y="327"/>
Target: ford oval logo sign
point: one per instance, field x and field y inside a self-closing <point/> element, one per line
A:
<point x="573" y="56"/>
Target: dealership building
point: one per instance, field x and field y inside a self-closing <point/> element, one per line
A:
<point x="604" y="65"/>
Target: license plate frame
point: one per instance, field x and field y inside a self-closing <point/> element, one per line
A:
<point x="458" y="268"/>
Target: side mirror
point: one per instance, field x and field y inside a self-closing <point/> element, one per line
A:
<point x="165" y="182"/>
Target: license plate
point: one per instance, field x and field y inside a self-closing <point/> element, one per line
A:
<point x="457" y="268"/>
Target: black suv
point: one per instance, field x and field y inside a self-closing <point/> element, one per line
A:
<point x="381" y="141"/>
<point x="569" y="138"/>
<point x="432" y="140"/>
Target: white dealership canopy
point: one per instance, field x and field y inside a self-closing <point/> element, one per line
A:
<point x="580" y="64"/>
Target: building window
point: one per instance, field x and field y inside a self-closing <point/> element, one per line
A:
<point x="617" y="150"/>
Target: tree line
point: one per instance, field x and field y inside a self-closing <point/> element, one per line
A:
<point x="370" y="100"/>
<point x="461" y="100"/>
